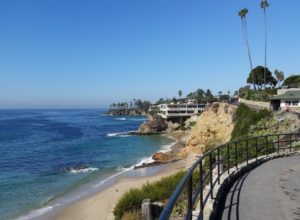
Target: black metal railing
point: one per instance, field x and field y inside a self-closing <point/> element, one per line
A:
<point x="190" y="190"/>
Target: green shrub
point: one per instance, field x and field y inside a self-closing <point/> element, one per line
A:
<point x="160" y="190"/>
<point x="244" y="118"/>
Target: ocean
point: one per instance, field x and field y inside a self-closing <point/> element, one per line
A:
<point x="46" y="155"/>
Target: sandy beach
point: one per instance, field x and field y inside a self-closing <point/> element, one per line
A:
<point x="101" y="205"/>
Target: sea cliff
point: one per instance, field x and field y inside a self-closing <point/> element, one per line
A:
<point x="213" y="127"/>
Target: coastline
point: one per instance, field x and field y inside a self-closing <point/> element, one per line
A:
<point x="99" y="198"/>
<point x="101" y="204"/>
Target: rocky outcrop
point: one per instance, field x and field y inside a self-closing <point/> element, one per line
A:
<point x="126" y="112"/>
<point x="154" y="125"/>
<point x="214" y="127"/>
<point x="173" y="126"/>
<point x="161" y="157"/>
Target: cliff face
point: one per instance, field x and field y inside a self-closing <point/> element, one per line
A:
<point x="214" y="127"/>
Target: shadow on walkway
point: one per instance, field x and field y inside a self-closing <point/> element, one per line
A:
<point x="230" y="208"/>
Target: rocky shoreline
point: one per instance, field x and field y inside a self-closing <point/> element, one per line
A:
<point x="196" y="135"/>
<point x="158" y="126"/>
<point x="123" y="112"/>
<point x="171" y="155"/>
<point x="192" y="137"/>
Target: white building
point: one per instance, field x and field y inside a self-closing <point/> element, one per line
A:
<point x="168" y="111"/>
<point x="290" y="100"/>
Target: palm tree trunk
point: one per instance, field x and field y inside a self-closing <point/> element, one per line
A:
<point x="265" y="70"/>
<point x="249" y="53"/>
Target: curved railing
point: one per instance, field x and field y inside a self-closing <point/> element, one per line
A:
<point x="190" y="190"/>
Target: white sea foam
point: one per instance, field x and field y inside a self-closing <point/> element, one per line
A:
<point x="120" y="119"/>
<point x="82" y="170"/>
<point x="137" y="119"/>
<point x="145" y="161"/>
<point x="166" y="148"/>
<point x="119" y="134"/>
<point x="35" y="213"/>
<point x="121" y="170"/>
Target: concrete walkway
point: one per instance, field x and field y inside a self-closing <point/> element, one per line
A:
<point x="269" y="192"/>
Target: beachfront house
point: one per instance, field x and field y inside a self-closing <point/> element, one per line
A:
<point x="289" y="100"/>
<point x="181" y="110"/>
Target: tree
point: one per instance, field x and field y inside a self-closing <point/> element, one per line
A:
<point x="264" y="4"/>
<point x="243" y="91"/>
<point x="236" y="93"/>
<point x="160" y="101"/>
<point x="174" y="100"/>
<point x="224" y="98"/>
<point x="258" y="75"/>
<point x="199" y="95"/>
<point x="243" y="13"/>
<point x="228" y="95"/>
<point x="138" y="103"/>
<point x="220" y="93"/>
<point x="279" y="76"/>
<point x="180" y="93"/>
<point x="209" y="96"/>
<point x="292" y="81"/>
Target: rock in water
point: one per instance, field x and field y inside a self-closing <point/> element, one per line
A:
<point x="154" y="125"/>
<point x="161" y="157"/>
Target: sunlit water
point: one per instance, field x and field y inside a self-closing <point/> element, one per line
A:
<point x="46" y="154"/>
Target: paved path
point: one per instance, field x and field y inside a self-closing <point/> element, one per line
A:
<point x="269" y="192"/>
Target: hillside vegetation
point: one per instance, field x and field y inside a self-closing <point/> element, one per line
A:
<point x="244" y="118"/>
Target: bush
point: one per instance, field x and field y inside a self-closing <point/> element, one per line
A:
<point x="244" y="118"/>
<point x="160" y="190"/>
<point x="257" y="95"/>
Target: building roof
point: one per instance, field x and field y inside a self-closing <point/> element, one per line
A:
<point x="287" y="95"/>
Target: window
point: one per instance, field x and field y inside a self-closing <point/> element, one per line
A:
<point x="288" y="103"/>
<point x="295" y="103"/>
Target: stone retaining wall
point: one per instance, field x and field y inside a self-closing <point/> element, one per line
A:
<point x="256" y="104"/>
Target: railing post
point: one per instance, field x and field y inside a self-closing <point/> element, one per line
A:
<point x="146" y="209"/>
<point x="218" y="150"/>
<point x="228" y="159"/>
<point x="201" y="189"/>
<point x="247" y="156"/>
<point x="267" y="143"/>
<point x="236" y="155"/>
<point x="278" y="137"/>
<point x="211" y="177"/>
<point x="190" y="195"/>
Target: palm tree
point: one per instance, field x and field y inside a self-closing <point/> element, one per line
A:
<point x="279" y="76"/>
<point x="220" y="93"/>
<point x="264" y="4"/>
<point x="242" y="14"/>
<point x="180" y="94"/>
<point x="228" y="95"/>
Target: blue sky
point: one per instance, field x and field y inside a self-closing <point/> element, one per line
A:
<point x="89" y="53"/>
